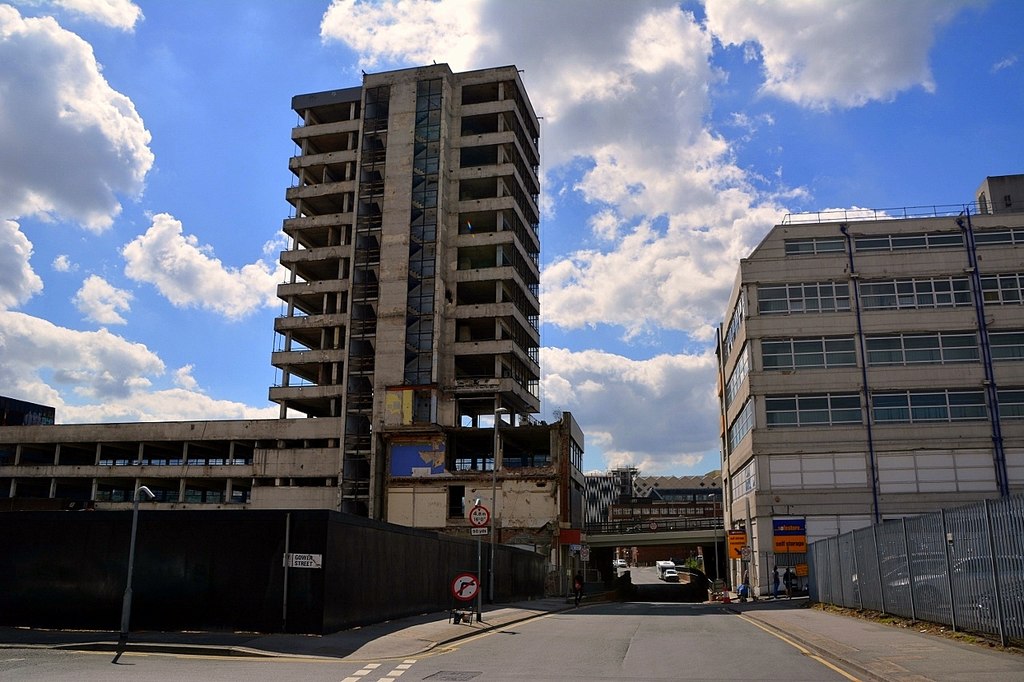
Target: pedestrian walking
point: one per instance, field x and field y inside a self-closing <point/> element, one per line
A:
<point x="787" y="581"/>
<point x="775" y="582"/>
<point x="577" y="587"/>
<point x="745" y="586"/>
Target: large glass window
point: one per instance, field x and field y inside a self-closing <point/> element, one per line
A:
<point x="910" y="407"/>
<point x="898" y="294"/>
<point x="813" y="410"/>
<point x="744" y="481"/>
<point x="742" y="425"/>
<point x="739" y="375"/>
<point x="1011" y="403"/>
<point x="908" y="349"/>
<point x="814" y="245"/>
<point x="791" y="354"/>
<point x="1002" y="288"/>
<point x="735" y="322"/>
<point x="805" y="297"/>
<point x="999" y="236"/>
<point x="1007" y="345"/>
<point x="899" y="242"/>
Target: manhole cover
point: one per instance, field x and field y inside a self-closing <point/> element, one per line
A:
<point x="452" y="676"/>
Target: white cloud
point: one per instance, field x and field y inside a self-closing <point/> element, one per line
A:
<point x="396" y="30"/>
<point x="677" y="278"/>
<point x="94" y="365"/>
<point x="189" y="276"/>
<point x="18" y="281"/>
<point x="112" y="377"/>
<point x="176" y="404"/>
<point x="64" y="117"/>
<point x="1006" y="63"/>
<point x="102" y="302"/>
<point x="824" y="54"/>
<point x="62" y="263"/>
<point x="121" y="14"/>
<point x="618" y="395"/>
<point x="183" y="378"/>
<point x="605" y="224"/>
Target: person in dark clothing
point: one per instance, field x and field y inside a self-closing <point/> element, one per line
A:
<point x="577" y="587"/>
<point x="787" y="582"/>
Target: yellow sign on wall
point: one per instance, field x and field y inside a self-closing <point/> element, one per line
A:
<point x="737" y="541"/>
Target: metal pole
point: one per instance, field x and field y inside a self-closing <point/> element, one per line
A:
<point x="126" y="602"/>
<point x="479" y="572"/>
<point x="284" y="590"/>
<point x="498" y="411"/>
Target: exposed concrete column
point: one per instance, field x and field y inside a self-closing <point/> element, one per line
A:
<point x="56" y="455"/>
<point x="53" y="488"/>
<point x="17" y="461"/>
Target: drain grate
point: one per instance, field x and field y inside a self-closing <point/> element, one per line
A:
<point x="453" y="676"/>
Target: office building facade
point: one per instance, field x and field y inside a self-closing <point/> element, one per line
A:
<point x="870" y="368"/>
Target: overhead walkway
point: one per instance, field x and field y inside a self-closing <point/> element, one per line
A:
<point x="635" y="532"/>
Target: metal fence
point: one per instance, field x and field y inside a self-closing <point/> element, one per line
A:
<point x="962" y="567"/>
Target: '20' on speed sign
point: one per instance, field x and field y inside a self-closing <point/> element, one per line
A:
<point x="479" y="516"/>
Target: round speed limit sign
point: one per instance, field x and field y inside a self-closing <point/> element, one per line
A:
<point x="479" y="516"/>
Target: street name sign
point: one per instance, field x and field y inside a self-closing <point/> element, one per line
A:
<point x="292" y="560"/>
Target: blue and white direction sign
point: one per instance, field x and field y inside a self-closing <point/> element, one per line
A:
<point x="465" y="587"/>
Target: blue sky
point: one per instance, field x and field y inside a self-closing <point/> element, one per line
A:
<point x="143" y="166"/>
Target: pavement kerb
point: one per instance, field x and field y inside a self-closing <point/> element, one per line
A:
<point x="811" y="646"/>
<point x="517" y="614"/>
<point x="487" y="627"/>
<point x="255" y="652"/>
<point x="169" y="648"/>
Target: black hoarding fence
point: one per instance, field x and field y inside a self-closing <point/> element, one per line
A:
<point x="225" y="570"/>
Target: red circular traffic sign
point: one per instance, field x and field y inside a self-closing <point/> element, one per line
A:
<point x="465" y="587"/>
<point x="479" y="516"/>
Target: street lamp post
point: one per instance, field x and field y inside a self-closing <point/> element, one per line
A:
<point x="498" y="411"/>
<point x="126" y="603"/>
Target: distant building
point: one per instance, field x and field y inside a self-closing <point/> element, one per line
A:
<point x="871" y="368"/>
<point x="20" y="413"/>
<point x="607" y="489"/>
<point x="664" y="498"/>
<point x="624" y="495"/>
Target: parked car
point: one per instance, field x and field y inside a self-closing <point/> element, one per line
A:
<point x="973" y="584"/>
